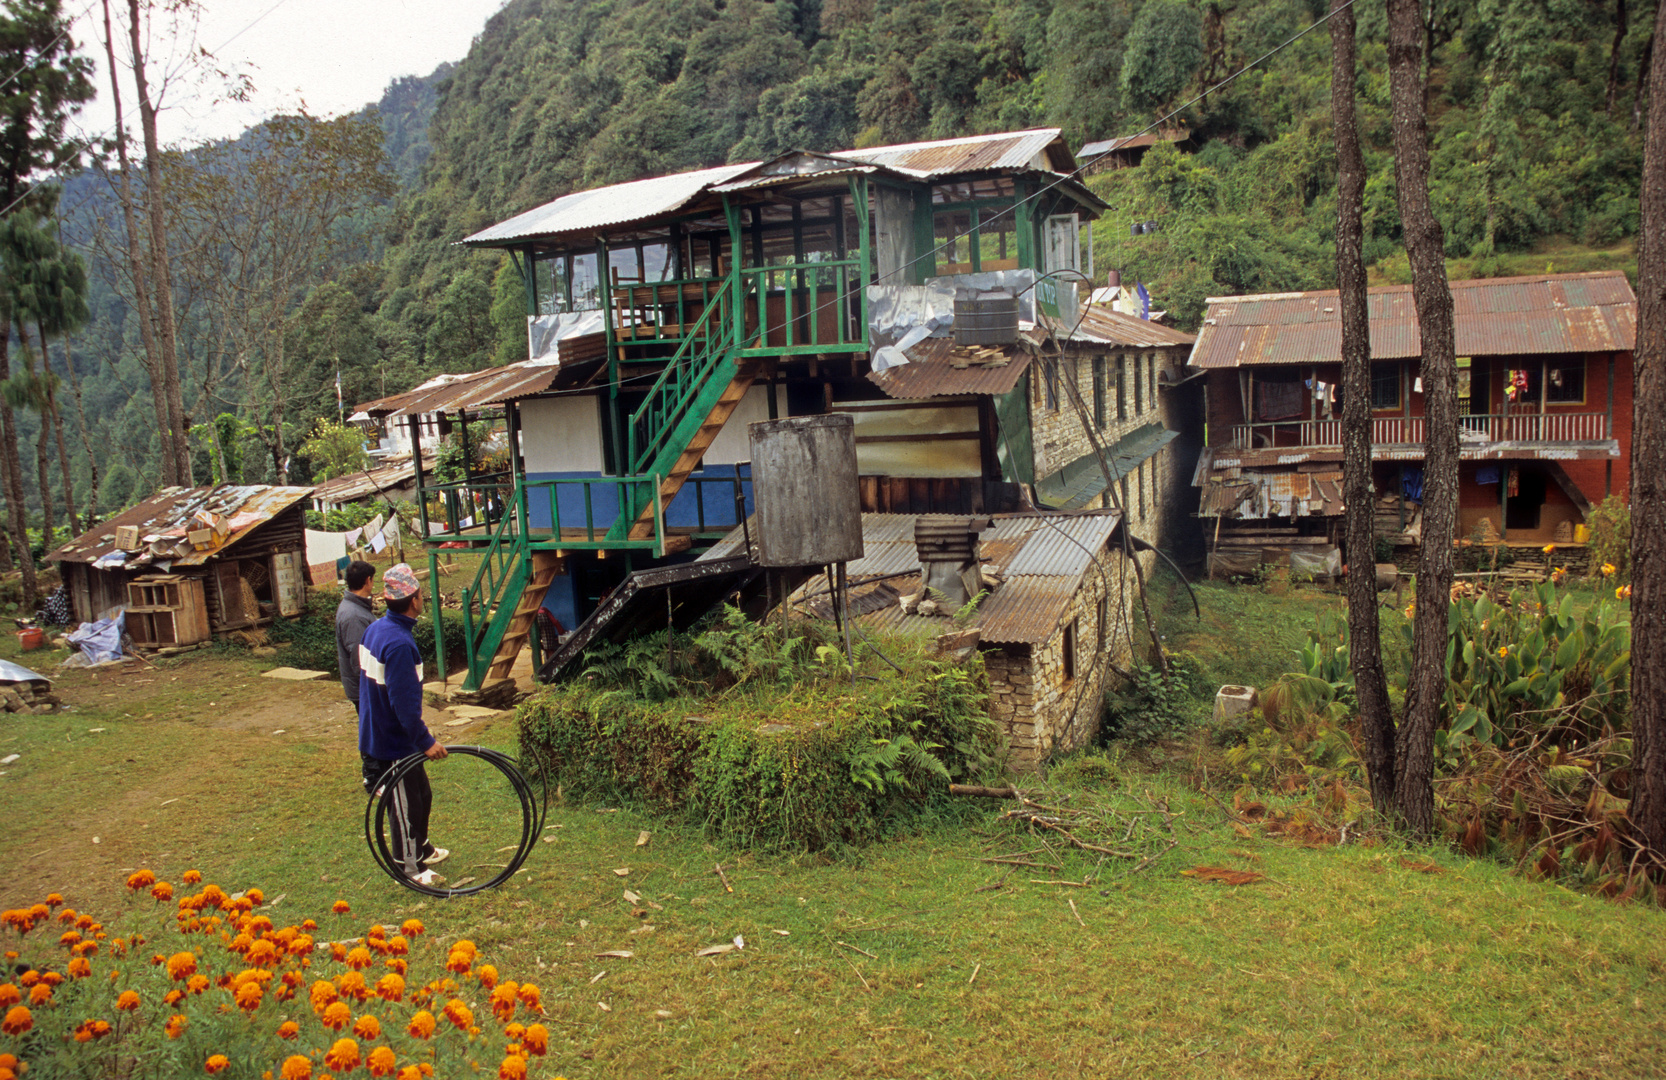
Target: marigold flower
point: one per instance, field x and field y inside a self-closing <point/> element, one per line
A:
<point x="308" y="925"/>
<point x="79" y="968"/>
<point x="352" y="985"/>
<point x="381" y="1061"/>
<point x="127" y="1001"/>
<point x="536" y="1039"/>
<point x="1623" y="592"/>
<point x="396" y="964"/>
<point x="86" y="948"/>
<point x="218" y="1063"/>
<point x="262" y="952"/>
<point x="18" y="1020"/>
<point x="487" y="976"/>
<point x="254" y="896"/>
<point x="367" y="1027"/>
<point x="68" y="915"/>
<point x="422" y="1024"/>
<point x="344" y="1055"/>
<point x="9" y="995"/>
<point x="391" y="987"/>
<point x="1608" y="569"/>
<point x="182" y="965"/>
<point x="101" y="1028"/>
<point x="197" y="983"/>
<point x="410" y="1072"/>
<point x="1503" y="651"/>
<point x="503" y="1001"/>
<point x="40" y="994"/>
<point x="51" y="978"/>
<point x="459" y="962"/>
<point x="322" y="993"/>
<point x="162" y="892"/>
<point x="213" y="896"/>
<point x="300" y="945"/>
<point x="84" y="922"/>
<point x="338" y="951"/>
<point x="411" y="928"/>
<point x="175" y="1027"/>
<point x="191" y="877"/>
<point x="340" y="907"/>
<point x="359" y="958"/>
<point x="398" y="946"/>
<point x="296" y="1067"/>
<point x="140" y="879"/>
<point x="70" y="937"/>
<point x="336" y="1015"/>
<point x="459" y="1013"/>
<point x="513" y="1068"/>
<point x="530" y="997"/>
<point x="6" y="1073"/>
<point x="173" y="997"/>
<point x="248" y="996"/>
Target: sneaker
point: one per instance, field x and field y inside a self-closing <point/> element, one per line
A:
<point x="436" y="855"/>
<point x="429" y="878"/>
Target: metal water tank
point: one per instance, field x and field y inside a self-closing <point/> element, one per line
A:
<point x="809" y="506"/>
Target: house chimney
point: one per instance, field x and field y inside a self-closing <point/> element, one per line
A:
<point x="1113" y="278"/>
<point x="948" y="549"/>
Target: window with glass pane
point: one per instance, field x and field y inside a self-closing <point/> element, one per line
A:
<point x="1385" y="386"/>
<point x="1121" y="389"/>
<point x="1099" y="391"/>
<point x="1139" y="385"/>
<point x="587" y="293"/>
<point x="549" y="278"/>
<point x="1564" y="384"/>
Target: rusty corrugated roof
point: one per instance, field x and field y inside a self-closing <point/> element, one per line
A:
<point x="170" y="515"/>
<point x="1131" y="142"/>
<point x="1043" y="149"/>
<point x="1546" y="314"/>
<point x="584" y="212"/>
<point x="1101" y="325"/>
<point x="363" y="484"/>
<point x="450" y="393"/>
<point x="931" y="371"/>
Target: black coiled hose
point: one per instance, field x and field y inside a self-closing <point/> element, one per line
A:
<point x="376" y="811"/>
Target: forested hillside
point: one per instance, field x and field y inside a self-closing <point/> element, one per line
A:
<point x="1534" y="105"/>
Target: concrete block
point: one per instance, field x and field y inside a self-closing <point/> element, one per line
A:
<point x="1231" y="701"/>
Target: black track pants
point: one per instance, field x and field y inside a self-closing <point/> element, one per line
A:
<point x="408" y="812"/>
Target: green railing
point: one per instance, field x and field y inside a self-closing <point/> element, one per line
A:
<point x="805" y="307"/>
<point x="489" y="600"/>
<point x="481" y="501"/>
<point x="586" y="525"/>
<point x="654" y="424"/>
<point x="665" y="311"/>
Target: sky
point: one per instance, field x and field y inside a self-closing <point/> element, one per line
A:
<point x="333" y="56"/>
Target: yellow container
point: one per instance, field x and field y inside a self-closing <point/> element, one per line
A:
<point x="1582" y="534"/>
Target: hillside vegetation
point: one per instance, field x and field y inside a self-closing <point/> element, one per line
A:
<point x="1535" y="117"/>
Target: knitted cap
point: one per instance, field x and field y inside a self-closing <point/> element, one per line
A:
<point x="398" y="582"/>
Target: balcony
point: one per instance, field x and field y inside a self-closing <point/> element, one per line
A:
<point x="1400" y="431"/>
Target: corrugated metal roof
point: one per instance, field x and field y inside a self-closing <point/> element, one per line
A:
<point x="1101" y="325"/>
<point x="1063" y="544"/>
<point x="361" y="485"/>
<point x="1549" y="313"/>
<point x="931" y="371"/>
<point x="1037" y="148"/>
<point x="599" y="208"/>
<point x="170" y="515"/>
<point x="1130" y="142"/>
<point x="1083" y="479"/>
<point x="475" y="390"/>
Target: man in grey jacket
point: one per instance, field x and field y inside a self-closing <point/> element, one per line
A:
<point x="353" y="617"/>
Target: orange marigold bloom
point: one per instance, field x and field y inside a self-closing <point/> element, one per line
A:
<point x="344" y="1055"/>
<point x="422" y="1024"/>
<point x="140" y="879"/>
<point x="218" y="1063"/>
<point x="377" y="930"/>
<point x="18" y="1020"/>
<point x="396" y="964"/>
<point x="411" y="928"/>
<point x="54" y="899"/>
<point x="173" y="997"/>
<point x="391" y="987"/>
<point x="40" y="994"/>
<point x="9" y="995"/>
<point x="6" y="1073"/>
<point x="241" y="943"/>
<point x="503" y="1001"/>
<point x="530" y="997"/>
<point x="322" y="993"/>
<point x="248" y="996"/>
<point x="296" y="1067"/>
<point x="175" y="1027"/>
<point x="288" y="1029"/>
<point x="458" y="962"/>
<point x="536" y="1039"/>
<point x="162" y="891"/>
<point x="513" y="1032"/>
<point x="101" y="1028"/>
<point x="300" y="945"/>
<point x="29" y="978"/>
<point x="83" y="922"/>
<point x="197" y="983"/>
<point x="398" y="946"/>
<point x="367" y="1027"/>
<point x="68" y="915"/>
<point x="353" y="985"/>
<point x="341" y="907"/>
<point x="86" y="948"/>
<point x="459" y="1014"/>
<point x="70" y="937"/>
<point x="336" y="1015"/>
<point x="513" y="1068"/>
<point x="79" y="968"/>
<point x="254" y="896"/>
<point x="359" y="958"/>
<point x="487" y="976"/>
<point x="262" y="952"/>
<point x="381" y="1061"/>
<point x="338" y="950"/>
<point x="51" y="978"/>
<point x="182" y="965"/>
<point x="127" y="1001"/>
<point x="191" y="877"/>
<point x="308" y="925"/>
<point x="410" y="1072"/>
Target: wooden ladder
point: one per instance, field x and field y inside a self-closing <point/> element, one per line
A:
<point x="545" y="564"/>
<point x="689" y="459"/>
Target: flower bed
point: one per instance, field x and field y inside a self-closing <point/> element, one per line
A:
<point x="212" y="985"/>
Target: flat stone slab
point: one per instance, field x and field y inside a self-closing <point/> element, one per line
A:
<point x="473" y="712"/>
<point x="291" y="674"/>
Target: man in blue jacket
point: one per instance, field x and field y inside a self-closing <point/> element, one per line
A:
<point x="390" y="723"/>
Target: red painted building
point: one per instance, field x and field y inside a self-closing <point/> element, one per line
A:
<point x="1544" y="385"/>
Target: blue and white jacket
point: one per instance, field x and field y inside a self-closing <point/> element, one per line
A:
<point x="390" y="691"/>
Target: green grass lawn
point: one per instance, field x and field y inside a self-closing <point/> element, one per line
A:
<point x="900" y="960"/>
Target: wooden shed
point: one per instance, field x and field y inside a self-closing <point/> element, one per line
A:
<point x="189" y="561"/>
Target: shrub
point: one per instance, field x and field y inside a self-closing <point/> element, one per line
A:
<point x="1610" y="543"/>
<point x="757" y="736"/>
<point x="1149" y="707"/>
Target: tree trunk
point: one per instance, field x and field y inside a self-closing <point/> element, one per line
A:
<point x="45" y="488"/>
<point x="175" y="438"/>
<point x="1613" y="92"/>
<point x="86" y="437"/>
<point x="1648" y="483"/>
<point x="136" y="267"/>
<point x="11" y="475"/>
<point x="1365" y="653"/>
<point x="1425" y="244"/>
